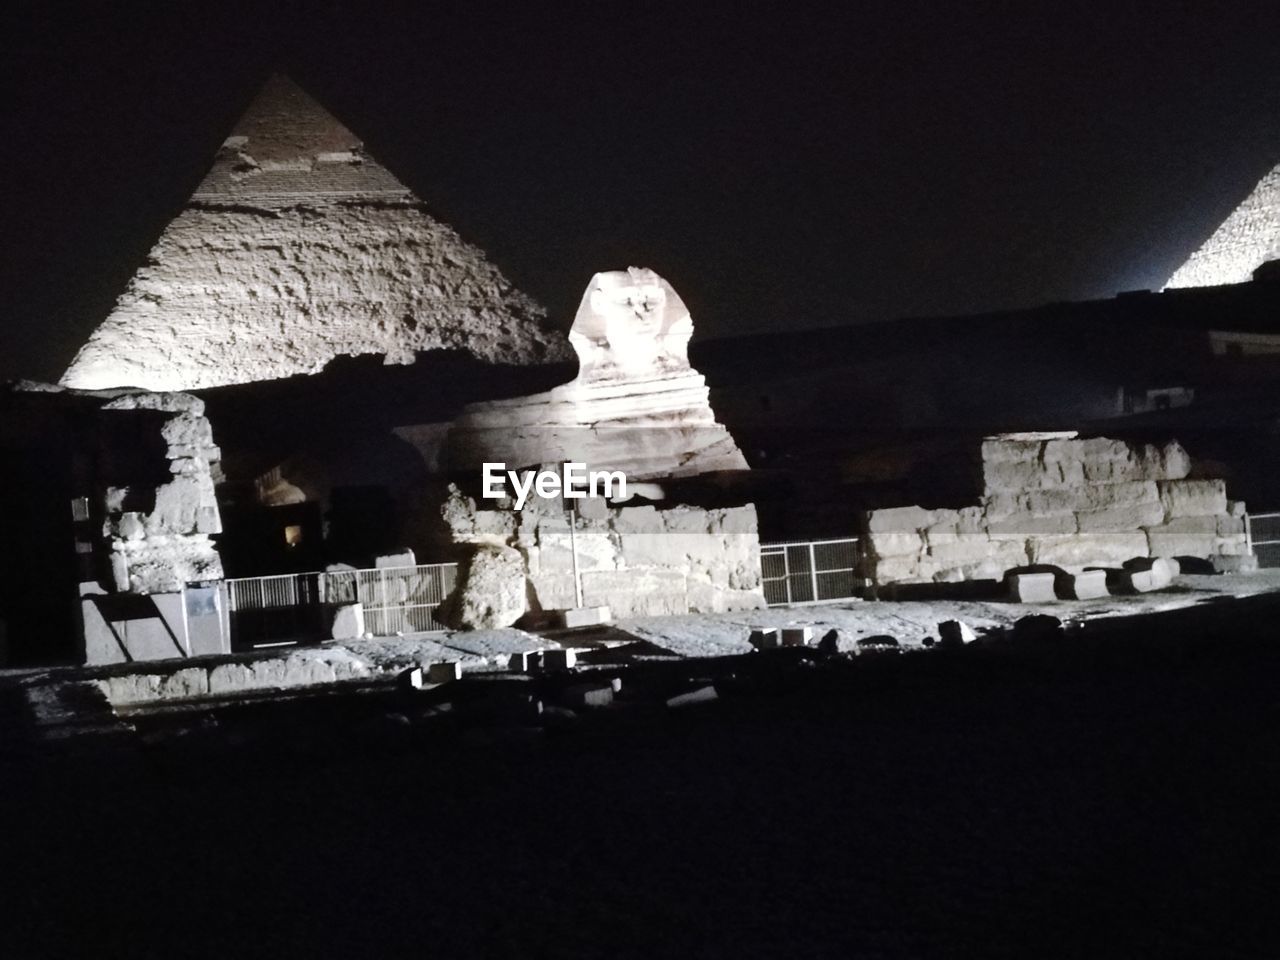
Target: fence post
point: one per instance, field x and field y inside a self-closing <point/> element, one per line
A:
<point x="1248" y="534"/>
<point x="786" y="570"/>
<point x="813" y="571"/>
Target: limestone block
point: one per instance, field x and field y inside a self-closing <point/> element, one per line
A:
<point x="706" y="597"/>
<point x="1013" y="477"/>
<point x="187" y="430"/>
<point x="1029" y="524"/>
<point x="596" y="551"/>
<point x="491" y="592"/>
<point x="740" y="521"/>
<point x="164" y="564"/>
<point x="1031" y="588"/>
<point x="965" y="549"/>
<point x="896" y="570"/>
<point x="593" y="509"/>
<point x="1164" y="543"/>
<point x="1236" y="508"/>
<point x="997" y="506"/>
<point x="636" y="593"/>
<point x="182" y="505"/>
<point x="1170" y="462"/>
<point x="1063" y="473"/>
<point x="971" y="520"/>
<point x="553" y="591"/>
<point x="1121" y="518"/>
<point x="348" y="622"/>
<point x="1087" y="549"/>
<point x="644" y="519"/>
<point x="1231" y="546"/>
<point x="1087" y="585"/>
<point x="899" y="519"/>
<point x="1063" y="449"/>
<point x="1229" y="526"/>
<point x="1125" y="493"/>
<point x="1193" y="498"/>
<point x="1051" y="502"/>
<point x="895" y="544"/>
<point x="1113" y="471"/>
<point x="996" y="450"/>
<point x="575" y="617"/>
<point x="1245" y="563"/>
<point x="1104" y="450"/>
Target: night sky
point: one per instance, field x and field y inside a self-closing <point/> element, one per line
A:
<point x="785" y="166"/>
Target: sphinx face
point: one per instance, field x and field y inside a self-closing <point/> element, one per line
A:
<point x="632" y="315"/>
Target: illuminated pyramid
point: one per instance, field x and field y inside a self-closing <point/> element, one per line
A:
<point x="298" y="247"/>
<point x="1245" y="240"/>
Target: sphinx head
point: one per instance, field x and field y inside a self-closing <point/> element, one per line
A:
<point x="632" y="320"/>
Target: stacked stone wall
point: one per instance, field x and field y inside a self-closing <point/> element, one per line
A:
<point x="637" y="560"/>
<point x="1060" y="501"/>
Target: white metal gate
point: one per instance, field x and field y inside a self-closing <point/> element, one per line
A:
<point x="395" y="599"/>
<point x="295" y="607"/>
<point x="810" y="571"/>
<point x="1262" y="531"/>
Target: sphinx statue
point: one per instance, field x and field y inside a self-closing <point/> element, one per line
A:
<point x="636" y="404"/>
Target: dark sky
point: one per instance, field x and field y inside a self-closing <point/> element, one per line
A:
<point x="784" y="165"/>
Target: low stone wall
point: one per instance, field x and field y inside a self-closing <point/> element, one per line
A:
<point x="637" y="560"/>
<point x="1062" y="501"/>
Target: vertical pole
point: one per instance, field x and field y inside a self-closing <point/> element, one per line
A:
<point x="786" y="571"/>
<point x="1248" y="534"/>
<point x="573" y="549"/>
<point x="813" y="571"/>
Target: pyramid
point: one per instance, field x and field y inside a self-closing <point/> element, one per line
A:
<point x="296" y="248"/>
<point x="1245" y="240"/>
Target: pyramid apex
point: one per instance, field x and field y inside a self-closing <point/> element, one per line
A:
<point x="287" y="144"/>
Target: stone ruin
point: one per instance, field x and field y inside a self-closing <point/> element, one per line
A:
<point x="169" y="546"/>
<point x="635" y="406"/>
<point x="299" y="247"/>
<point x="1054" y="499"/>
<point x="639" y="561"/>
<point x="1248" y="238"/>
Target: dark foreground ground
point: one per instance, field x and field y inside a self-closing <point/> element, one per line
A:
<point x="1113" y="795"/>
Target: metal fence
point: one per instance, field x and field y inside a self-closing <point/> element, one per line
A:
<point x="395" y="599"/>
<point x="810" y="571"/>
<point x="1262" y="532"/>
<point x="296" y="607"/>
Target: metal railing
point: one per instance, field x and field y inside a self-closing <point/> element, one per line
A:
<point x="295" y="607"/>
<point x="395" y="599"/>
<point x="811" y="571"/>
<point x="1262" y="537"/>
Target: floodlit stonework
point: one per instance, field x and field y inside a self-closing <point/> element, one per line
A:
<point x="1245" y="240"/>
<point x="1057" y="500"/>
<point x="636" y="560"/>
<point x="298" y="247"/>
<point x="636" y="404"/>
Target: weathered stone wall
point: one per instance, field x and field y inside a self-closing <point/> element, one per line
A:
<point x="1061" y="501"/>
<point x="1244" y="241"/>
<point x="637" y="560"/>
<point x="161" y="551"/>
